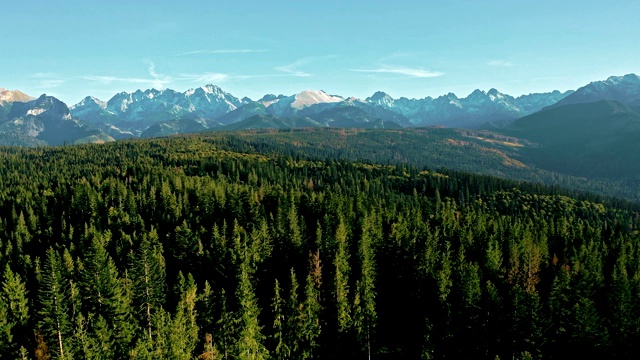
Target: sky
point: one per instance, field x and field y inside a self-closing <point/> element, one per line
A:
<point x="414" y="49"/>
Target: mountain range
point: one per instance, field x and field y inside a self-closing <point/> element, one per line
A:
<point x="210" y="106"/>
<point x="165" y="112"/>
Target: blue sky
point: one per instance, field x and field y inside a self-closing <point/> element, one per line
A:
<point x="71" y="49"/>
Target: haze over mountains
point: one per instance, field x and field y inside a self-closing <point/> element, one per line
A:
<point x="585" y="139"/>
<point x="165" y="112"/>
<point x="139" y="111"/>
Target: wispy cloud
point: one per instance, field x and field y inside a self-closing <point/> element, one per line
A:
<point x="289" y="70"/>
<point x="50" y="83"/>
<point x="111" y="79"/>
<point x="156" y="80"/>
<point x="41" y="75"/>
<point x="48" y="80"/>
<point x="159" y="79"/>
<point x="500" y="63"/>
<point x="408" y="71"/>
<point x="208" y="77"/>
<point x="293" y="69"/>
<point x="222" y="51"/>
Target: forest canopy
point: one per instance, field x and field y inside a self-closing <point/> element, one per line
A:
<point x="193" y="247"/>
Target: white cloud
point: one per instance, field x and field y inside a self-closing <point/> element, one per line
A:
<point x="159" y="79"/>
<point x="413" y="72"/>
<point x="48" y="80"/>
<point x="293" y="68"/>
<point x="222" y="51"/>
<point x="41" y="75"/>
<point x="290" y="70"/>
<point x="111" y="79"/>
<point x="50" y="83"/>
<point x="208" y="77"/>
<point x="501" y="63"/>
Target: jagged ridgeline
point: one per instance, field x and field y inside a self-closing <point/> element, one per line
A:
<point x="183" y="248"/>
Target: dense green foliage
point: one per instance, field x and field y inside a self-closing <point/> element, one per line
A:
<point x="181" y="248"/>
<point x="478" y="152"/>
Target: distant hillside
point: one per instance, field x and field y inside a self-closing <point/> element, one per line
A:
<point x="272" y="122"/>
<point x="624" y="89"/>
<point x="45" y="121"/>
<point x="592" y="139"/>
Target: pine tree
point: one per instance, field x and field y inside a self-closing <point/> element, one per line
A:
<point x="620" y="308"/>
<point x="312" y="327"/>
<point x="342" y="269"/>
<point x="365" y="307"/>
<point x="183" y="335"/>
<point x="105" y="293"/>
<point x="6" y="326"/>
<point x="16" y="309"/>
<point x="54" y="321"/>
<point x="250" y="343"/>
<point x="293" y="329"/>
<point x="226" y="327"/>
<point x="148" y="273"/>
<point x="281" y="350"/>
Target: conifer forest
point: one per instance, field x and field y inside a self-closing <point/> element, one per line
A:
<point x="199" y="247"/>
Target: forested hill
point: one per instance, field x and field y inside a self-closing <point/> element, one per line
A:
<point x="479" y="152"/>
<point x="181" y="248"/>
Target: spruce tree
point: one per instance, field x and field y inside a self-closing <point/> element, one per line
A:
<point x="281" y="349"/>
<point x="341" y="281"/>
<point x="250" y="344"/>
<point x="148" y="274"/>
<point x="54" y="321"/>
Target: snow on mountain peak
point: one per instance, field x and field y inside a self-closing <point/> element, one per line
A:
<point x="14" y="96"/>
<point x="494" y="92"/>
<point x="381" y="98"/>
<point x="90" y="101"/>
<point x="625" y="79"/>
<point x="211" y="89"/>
<point x="311" y="97"/>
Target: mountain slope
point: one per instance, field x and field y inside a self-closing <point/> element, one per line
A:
<point x="136" y="112"/>
<point x="477" y="109"/>
<point x="349" y="116"/>
<point x="45" y="121"/>
<point x="267" y="121"/>
<point x="243" y="112"/>
<point x="7" y="98"/>
<point x="624" y="89"/>
<point x="305" y="103"/>
<point x="182" y="126"/>
<point x="592" y="139"/>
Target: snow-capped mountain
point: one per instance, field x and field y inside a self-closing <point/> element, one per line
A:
<point x="92" y="109"/>
<point x="295" y="104"/>
<point x="45" y="121"/>
<point x="475" y="110"/>
<point x="127" y="114"/>
<point x="269" y="99"/>
<point x="139" y="110"/>
<point x="9" y="96"/>
<point x="625" y="89"/>
<point x="532" y="103"/>
<point x="133" y="113"/>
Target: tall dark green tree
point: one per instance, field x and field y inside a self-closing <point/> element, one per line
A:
<point x="105" y="293"/>
<point x="14" y="306"/>
<point x="365" y="315"/>
<point x="54" y="321"/>
<point x="148" y="274"/>
<point x="281" y="349"/>
<point x="341" y="281"/>
<point x="250" y="344"/>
